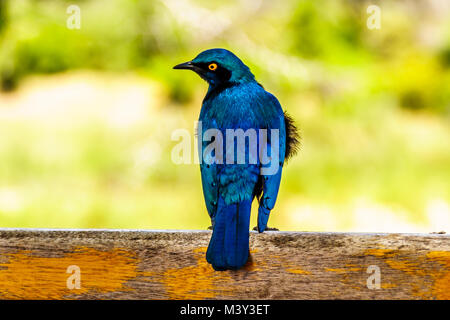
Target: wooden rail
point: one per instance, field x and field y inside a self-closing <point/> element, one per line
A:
<point x="110" y="264"/>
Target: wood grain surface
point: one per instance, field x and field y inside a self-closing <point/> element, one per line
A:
<point x="131" y="264"/>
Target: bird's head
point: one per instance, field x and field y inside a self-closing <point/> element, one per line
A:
<point x="218" y="66"/>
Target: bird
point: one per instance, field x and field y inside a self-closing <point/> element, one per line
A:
<point x="235" y="100"/>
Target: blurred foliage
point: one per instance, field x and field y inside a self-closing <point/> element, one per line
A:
<point x="373" y="107"/>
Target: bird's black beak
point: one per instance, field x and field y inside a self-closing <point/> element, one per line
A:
<point x="187" y="65"/>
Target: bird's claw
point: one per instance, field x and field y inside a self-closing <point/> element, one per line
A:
<point x="267" y="229"/>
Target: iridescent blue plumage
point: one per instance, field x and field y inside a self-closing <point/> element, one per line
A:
<point x="236" y="101"/>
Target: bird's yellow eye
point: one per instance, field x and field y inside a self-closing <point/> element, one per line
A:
<point x="212" y="66"/>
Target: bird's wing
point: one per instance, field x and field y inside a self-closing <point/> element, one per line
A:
<point x="210" y="188"/>
<point x="209" y="174"/>
<point x="271" y="182"/>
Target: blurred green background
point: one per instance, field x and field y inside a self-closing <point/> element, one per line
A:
<point x="86" y="115"/>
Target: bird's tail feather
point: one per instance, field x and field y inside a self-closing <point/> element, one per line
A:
<point x="228" y="247"/>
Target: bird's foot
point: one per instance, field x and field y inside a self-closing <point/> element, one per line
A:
<point x="210" y="228"/>
<point x="267" y="229"/>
